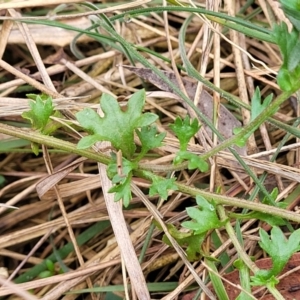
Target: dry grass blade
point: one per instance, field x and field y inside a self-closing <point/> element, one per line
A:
<point x="28" y="79"/>
<point x="31" y="3"/>
<point x="123" y="238"/>
<point x="34" y="3"/>
<point x="17" y="290"/>
<point x="55" y="36"/>
<point x="179" y="250"/>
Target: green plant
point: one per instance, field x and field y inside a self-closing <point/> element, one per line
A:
<point x="257" y="107"/>
<point x="204" y="218"/>
<point x="116" y="126"/>
<point x="121" y="135"/>
<point x="185" y="130"/>
<point x="209" y="215"/>
<point x="50" y="269"/>
<point x="41" y="109"/>
<point x="245" y="279"/>
<point x="39" y="116"/>
<point x="280" y="250"/>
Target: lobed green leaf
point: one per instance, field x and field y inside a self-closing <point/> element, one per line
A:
<point x="204" y="218"/>
<point x="116" y="126"/>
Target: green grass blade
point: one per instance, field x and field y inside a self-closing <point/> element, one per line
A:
<point x="235" y="23"/>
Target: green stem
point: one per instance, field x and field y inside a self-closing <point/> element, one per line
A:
<point x="242" y="254"/>
<point x="112" y="42"/>
<point x="236" y="202"/>
<point x="50" y="141"/>
<point x="225" y="200"/>
<point x="229" y="229"/>
<point x="251" y="127"/>
<point x="53" y="142"/>
<point x="274" y="292"/>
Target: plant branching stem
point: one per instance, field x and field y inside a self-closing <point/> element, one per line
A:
<point x="53" y="142"/>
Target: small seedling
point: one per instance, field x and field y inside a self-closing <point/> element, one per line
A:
<point x="280" y="249"/>
<point x="289" y="45"/>
<point x="185" y="130"/>
<point x="50" y="270"/>
<point x="118" y="127"/>
<point x="149" y="138"/>
<point x="257" y="107"/>
<point x="41" y="109"/>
